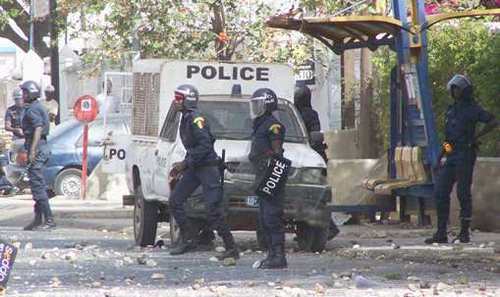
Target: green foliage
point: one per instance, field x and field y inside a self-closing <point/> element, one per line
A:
<point x="175" y="30"/>
<point x="460" y="47"/>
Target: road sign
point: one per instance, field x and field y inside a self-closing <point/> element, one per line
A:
<point x="85" y="110"/>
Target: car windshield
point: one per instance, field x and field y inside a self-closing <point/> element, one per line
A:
<point x="231" y="120"/>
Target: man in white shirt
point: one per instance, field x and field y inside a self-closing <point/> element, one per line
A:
<point x="51" y="105"/>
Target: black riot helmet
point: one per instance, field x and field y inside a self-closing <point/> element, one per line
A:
<point x="263" y="101"/>
<point x="31" y="90"/>
<point x="302" y="97"/>
<point x="187" y="95"/>
<point x="460" y="87"/>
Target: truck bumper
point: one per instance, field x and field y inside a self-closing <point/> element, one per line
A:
<point x="305" y="203"/>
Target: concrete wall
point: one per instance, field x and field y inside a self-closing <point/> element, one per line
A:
<point x="485" y="196"/>
<point x="345" y="177"/>
<point x="342" y="144"/>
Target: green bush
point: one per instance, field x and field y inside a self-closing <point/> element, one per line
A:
<point x="463" y="46"/>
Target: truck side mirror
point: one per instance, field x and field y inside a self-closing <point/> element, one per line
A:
<point x="317" y="137"/>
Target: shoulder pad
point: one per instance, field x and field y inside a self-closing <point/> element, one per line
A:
<point x="199" y="121"/>
<point x="275" y="128"/>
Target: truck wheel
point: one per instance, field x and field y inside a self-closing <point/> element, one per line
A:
<point x="145" y="219"/>
<point x="68" y="183"/>
<point x="261" y="238"/>
<point x="311" y="238"/>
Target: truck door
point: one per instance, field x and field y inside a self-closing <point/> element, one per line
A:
<point x="166" y="153"/>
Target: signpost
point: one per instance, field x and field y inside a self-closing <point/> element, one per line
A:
<point x="85" y="110"/>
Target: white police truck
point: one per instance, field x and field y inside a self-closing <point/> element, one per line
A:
<point x="225" y="88"/>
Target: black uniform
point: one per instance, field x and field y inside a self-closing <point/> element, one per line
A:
<point x="461" y="120"/>
<point x="265" y="130"/>
<point x="202" y="169"/>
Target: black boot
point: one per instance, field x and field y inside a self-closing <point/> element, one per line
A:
<point x="464" y="235"/>
<point x="441" y="235"/>
<point x="231" y="248"/>
<point x="37" y="220"/>
<point x="185" y="242"/>
<point x="48" y="225"/>
<point x="277" y="259"/>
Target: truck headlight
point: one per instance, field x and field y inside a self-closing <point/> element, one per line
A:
<point x="312" y="176"/>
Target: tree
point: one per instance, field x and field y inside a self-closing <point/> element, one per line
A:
<point x="12" y="9"/>
<point x="208" y="29"/>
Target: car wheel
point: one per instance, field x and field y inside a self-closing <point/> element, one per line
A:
<point x="68" y="183"/>
<point x="311" y="238"/>
<point x="145" y="219"/>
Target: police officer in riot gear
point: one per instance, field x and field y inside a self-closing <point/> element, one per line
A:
<point x="460" y="148"/>
<point x="36" y="128"/>
<point x="14" y="115"/>
<point x="302" y="101"/>
<point x="201" y="166"/>
<point x="267" y="141"/>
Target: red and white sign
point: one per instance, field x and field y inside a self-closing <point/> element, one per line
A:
<point x="86" y="109"/>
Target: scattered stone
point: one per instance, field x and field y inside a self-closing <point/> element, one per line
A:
<point x="256" y="264"/>
<point x="196" y="287"/>
<point x="142" y="259"/>
<point x="320" y="290"/>
<point x="213" y="259"/>
<point x="104" y="231"/>
<point x="96" y="285"/>
<point x="356" y="246"/>
<point x="45" y="256"/>
<point x="271" y="284"/>
<point x="128" y="260"/>
<point x="248" y="251"/>
<point x="55" y="282"/>
<point x="413" y="278"/>
<point x="379" y="258"/>
<point x="251" y="284"/>
<point x="157" y="276"/>
<point x="229" y="262"/>
<point x="463" y="280"/>
<point x="220" y="249"/>
<point x="151" y="263"/>
<point x="443" y="287"/>
<point x="335" y="276"/>
<point x="338" y="285"/>
<point x="413" y="287"/>
<point x="70" y="257"/>
<point x="482" y="245"/>
<point x="362" y="282"/>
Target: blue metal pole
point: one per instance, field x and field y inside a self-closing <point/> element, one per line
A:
<point x="432" y="150"/>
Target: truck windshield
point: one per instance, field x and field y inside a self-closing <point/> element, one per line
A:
<point x="231" y="120"/>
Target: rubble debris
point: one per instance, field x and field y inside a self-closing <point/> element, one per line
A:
<point x="362" y="282"/>
<point x="142" y="259"/>
<point x="229" y="262"/>
<point x="157" y="276"/>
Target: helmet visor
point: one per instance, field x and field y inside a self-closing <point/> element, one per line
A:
<point x="257" y="107"/>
